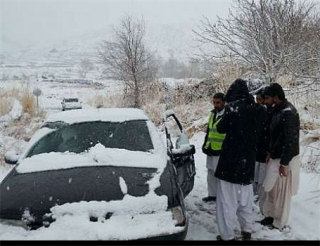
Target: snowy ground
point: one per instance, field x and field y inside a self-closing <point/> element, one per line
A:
<point x="304" y="221"/>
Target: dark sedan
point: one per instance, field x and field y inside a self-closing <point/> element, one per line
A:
<point x="109" y="156"/>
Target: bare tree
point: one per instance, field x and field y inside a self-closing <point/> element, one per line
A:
<point x="126" y="58"/>
<point x="85" y="66"/>
<point x="275" y="37"/>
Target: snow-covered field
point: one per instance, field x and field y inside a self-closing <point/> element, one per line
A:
<point x="304" y="223"/>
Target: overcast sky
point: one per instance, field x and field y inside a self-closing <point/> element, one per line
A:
<point x="30" y="21"/>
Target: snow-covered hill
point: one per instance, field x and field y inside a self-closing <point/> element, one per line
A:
<point x="165" y="39"/>
<point x="62" y="58"/>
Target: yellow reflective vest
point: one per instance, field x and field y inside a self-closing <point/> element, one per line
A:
<point x="215" y="139"/>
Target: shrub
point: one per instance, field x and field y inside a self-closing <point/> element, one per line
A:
<point x="5" y="105"/>
<point x="104" y="101"/>
<point x="227" y="73"/>
<point x="26" y="98"/>
<point x="28" y="103"/>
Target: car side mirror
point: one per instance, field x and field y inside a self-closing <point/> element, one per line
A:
<point x="11" y="157"/>
<point x="184" y="150"/>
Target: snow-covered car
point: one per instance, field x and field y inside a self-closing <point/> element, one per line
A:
<point x="108" y="167"/>
<point x="70" y="103"/>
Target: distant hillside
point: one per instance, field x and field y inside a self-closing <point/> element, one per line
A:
<point x="166" y="40"/>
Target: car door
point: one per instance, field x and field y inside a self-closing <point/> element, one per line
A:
<point x="181" y="152"/>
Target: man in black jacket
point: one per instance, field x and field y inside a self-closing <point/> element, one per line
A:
<point x="212" y="145"/>
<point x="282" y="177"/>
<point x="235" y="169"/>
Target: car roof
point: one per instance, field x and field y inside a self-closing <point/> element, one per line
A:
<point x="100" y="114"/>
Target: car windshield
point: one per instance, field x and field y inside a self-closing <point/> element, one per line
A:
<point x="131" y="135"/>
<point x="71" y="100"/>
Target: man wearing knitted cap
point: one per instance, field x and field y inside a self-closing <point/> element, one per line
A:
<point x="235" y="170"/>
<point x="282" y="177"/>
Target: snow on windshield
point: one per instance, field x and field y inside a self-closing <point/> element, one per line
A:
<point x="96" y="156"/>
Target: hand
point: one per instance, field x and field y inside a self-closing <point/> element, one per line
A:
<point x="283" y="171"/>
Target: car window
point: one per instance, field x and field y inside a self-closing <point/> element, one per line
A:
<point x="77" y="138"/>
<point x="173" y="130"/>
<point x="71" y="100"/>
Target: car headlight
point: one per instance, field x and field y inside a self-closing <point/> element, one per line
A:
<point x="177" y="214"/>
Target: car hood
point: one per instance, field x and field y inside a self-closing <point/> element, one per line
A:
<point x="96" y="156"/>
<point x="119" y="178"/>
<point x="129" y="219"/>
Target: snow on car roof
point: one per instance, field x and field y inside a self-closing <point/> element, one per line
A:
<point x="101" y="114"/>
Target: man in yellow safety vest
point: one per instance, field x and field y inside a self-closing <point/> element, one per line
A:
<point x="212" y="145"/>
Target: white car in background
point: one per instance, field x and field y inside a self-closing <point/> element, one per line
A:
<point x="71" y="103"/>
